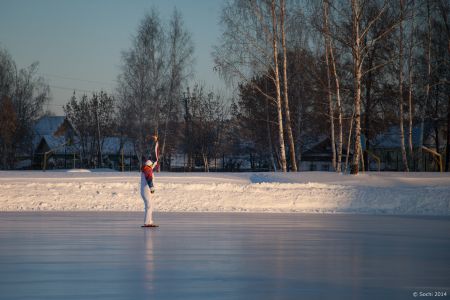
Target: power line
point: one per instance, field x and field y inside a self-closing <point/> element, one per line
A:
<point x="52" y="104"/>
<point x="71" y="89"/>
<point x="62" y="105"/>
<point x="78" y="79"/>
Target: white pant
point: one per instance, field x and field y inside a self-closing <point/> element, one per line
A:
<point x="145" y="194"/>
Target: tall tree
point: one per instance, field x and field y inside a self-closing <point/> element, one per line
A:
<point x="410" y="82"/>
<point x="360" y="46"/>
<point x="181" y="49"/>
<point x="79" y="113"/>
<point x="400" y="87"/>
<point x="285" y="85"/>
<point x="102" y="106"/>
<point x="338" y="106"/>
<point x="277" y="85"/>
<point x="28" y="93"/>
<point x="328" y="72"/>
<point x="207" y="115"/>
<point x="249" y="46"/>
<point x="93" y="119"/>
<point x="8" y="125"/>
<point x="143" y="81"/>
<point x="357" y="75"/>
<point x="444" y="9"/>
<point x="427" y="86"/>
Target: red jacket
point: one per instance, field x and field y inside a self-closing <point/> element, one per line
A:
<point x="148" y="172"/>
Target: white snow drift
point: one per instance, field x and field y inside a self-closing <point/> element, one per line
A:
<point x="318" y="192"/>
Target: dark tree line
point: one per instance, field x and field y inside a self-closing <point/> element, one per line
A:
<point x="303" y="71"/>
<point x="205" y="116"/>
<point x="93" y="119"/>
<point x="22" y="97"/>
<point x="154" y="98"/>
<point x="154" y="71"/>
<point x="353" y="68"/>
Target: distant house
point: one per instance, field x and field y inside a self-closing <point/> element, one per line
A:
<point x="387" y="147"/>
<point x="55" y="136"/>
<point x="318" y="156"/>
<point x="118" y="153"/>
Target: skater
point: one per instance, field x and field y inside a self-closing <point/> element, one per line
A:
<point x="147" y="170"/>
<point x="148" y="188"/>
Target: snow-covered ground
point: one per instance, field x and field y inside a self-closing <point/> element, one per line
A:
<point x="315" y="192"/>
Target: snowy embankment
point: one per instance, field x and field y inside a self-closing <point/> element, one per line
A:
<point x="315" y="192"/>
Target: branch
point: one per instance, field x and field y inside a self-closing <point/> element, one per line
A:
<point x="378" y="66"/>
<point x="246" y="80"/>
<point x="369" y="26"/>
<point x="372" y="42"/>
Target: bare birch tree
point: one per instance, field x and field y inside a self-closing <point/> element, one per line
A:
<point x="180" y="62"/>
<point x="8" y="125"/>
<point x="427" y="88"/>
<point x="410" y="83"/>
<point x="349" y="140"/>
<point x="207" y="121"/>
<point x="360" y="46"/>
<point x="250" y="46"/>
<point x="277" y="85"/>
<point x="143" y="81"/>
<point x="285" y="85"/>
<point x="444" y="9"/>
<point x="400" y="88"/>
<point x="23" y="93"/>
<point x="338" y="106"/>
<point x="329" y="95"/>
<point x="357" y="74"/>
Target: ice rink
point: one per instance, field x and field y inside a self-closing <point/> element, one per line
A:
<point x="106" y="255"/>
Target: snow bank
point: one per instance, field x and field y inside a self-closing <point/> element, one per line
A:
<point x="78" y="171"/>
<point x="312" y="192"/>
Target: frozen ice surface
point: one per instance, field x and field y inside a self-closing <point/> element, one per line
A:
<point x="106" y="255"/>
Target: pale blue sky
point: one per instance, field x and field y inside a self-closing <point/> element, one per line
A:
<point x="83" y="39"/>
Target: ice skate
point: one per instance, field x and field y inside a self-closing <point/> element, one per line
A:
<point x="150" y="225"/>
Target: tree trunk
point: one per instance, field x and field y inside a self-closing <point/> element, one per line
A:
<point x="447" y="147"/>
<point x="444" y="13"/>
<point x="299" y="132"/>
<point x="340" y="128"/>
<point x="277" y="86"/>
<point x="368" y="108"/>
<point x="188" y="130"/>
<point x="410" y="83"/>
<point x="362" y="158"/>
<point x="400" y="91"/>
<point x="330" y="98"/>
<point x="166" y="126"/>
<point x="269" y="136"/>
<point x="357" y="103"/>
<point x="356" y="53"/>
<point x="436" y="119"/>
<point x="286" y="98"/>
<point x="338" y="92"/>
<point x="205" y="162"/>
<point x="427" y="89"/>
<point x="348" y="142"/>
<point x="99" y="158"/>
